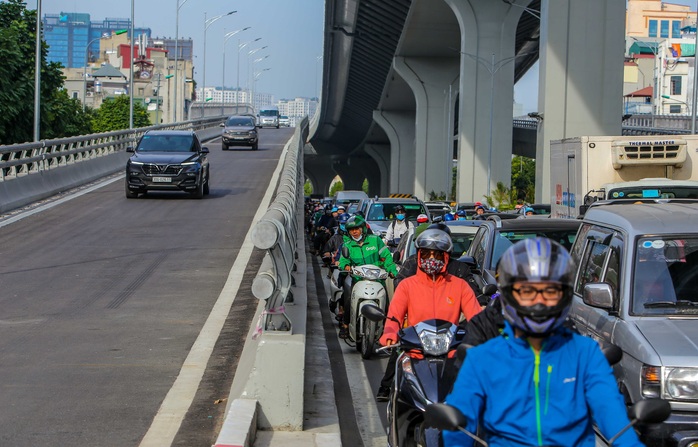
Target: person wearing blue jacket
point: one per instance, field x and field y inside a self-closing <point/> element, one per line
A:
<point x="538" y="383"/>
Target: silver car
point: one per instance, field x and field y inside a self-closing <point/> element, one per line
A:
<point x="637" y="287"/>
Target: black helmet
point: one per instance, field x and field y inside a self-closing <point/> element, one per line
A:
<point x="535" y="260"/>
<point x="399" y="209"/>
<point x="433" y="239"/>
<point x="439" y="226"/>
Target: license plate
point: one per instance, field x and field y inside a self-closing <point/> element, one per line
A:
<point x="162" y="179"/>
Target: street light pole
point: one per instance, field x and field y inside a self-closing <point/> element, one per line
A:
<point x="37" y="74"/>
<point x="250" y="71"/>
<point x="240" y="47"/>
<point x="688" y="108"/>
<point x="208" y="23"/>
<point x="255" y="75"/>
<point x="130" y="88"/>
<point x="225" y="41"/>
<point x="179" y="5"/>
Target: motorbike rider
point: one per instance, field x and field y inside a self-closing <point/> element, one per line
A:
<point x="431" y="293"/>
<point x="360" y="248"/>
<point x="549" y="384"/>
<point x="329" y="251"/>
<point x="453" y="266"/>
<point x="461" y="215"/>
<point x="399" y="226"/>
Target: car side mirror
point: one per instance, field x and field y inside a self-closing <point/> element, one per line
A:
<point x="468" y="260"/>
<point x="130" y="149"/>
<point x="204" y="150"/>
<point x="598" y="294"/>
<point x="437" y="219"/>
<point x="583" y="209"/>
<point x="221" y="125"/>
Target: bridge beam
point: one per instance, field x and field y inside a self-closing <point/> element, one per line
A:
<point x="488" y="37"/>
<point x="400" y="129"/>
<point x="580" y="83"/>
<point x="316" y="169"/>
<point x="431" y="80"/>
<point x="379" y="185"/>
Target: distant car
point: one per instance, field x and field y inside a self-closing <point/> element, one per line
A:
<point x="240" y="130"/>
<point x="438" y="208"/>
<point x="284" y="121"/>
<point x="495" y="235"/>
<point x="636" y="287"/>
<point x="168" y="160"/>
<point x="380" y="211"/>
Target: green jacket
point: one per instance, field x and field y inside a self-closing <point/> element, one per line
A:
<point x="371" y="250"/>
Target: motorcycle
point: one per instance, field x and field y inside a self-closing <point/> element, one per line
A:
<point x="424" y="374"/>
<point x="369" y="289"/>
<point x="336" y="288"/>
<point x="442" y="416"/>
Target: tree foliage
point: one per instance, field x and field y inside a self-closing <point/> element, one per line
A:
<point x="114" y="115"/>
<point x="523" y="178"/>
<point x="60" y="115"/>
<point x="338" y="186"/>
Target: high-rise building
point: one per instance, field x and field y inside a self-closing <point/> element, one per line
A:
<point x="69" y="33"/>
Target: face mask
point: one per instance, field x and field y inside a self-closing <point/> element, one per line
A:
<point x="400" y="216"/>
<point x="357" y="239"/>
<point x="342" y="227"/>
<point x="431" y="266"/>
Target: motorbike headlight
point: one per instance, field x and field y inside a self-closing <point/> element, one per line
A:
<point x="681" y="383"/>
<point x="435" y="343"/>
<point x="372" y="273"/>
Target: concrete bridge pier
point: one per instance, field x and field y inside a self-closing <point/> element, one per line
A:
<point x="581" y="44"/>
<point x="488" y="36"/>
<point x="400" y="129"/>
<point x="431" y="79"/>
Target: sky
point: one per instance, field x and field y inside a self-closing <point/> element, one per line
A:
<point x="292" y="30"/>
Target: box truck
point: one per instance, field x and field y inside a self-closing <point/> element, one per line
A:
<point x="586" y="169"/>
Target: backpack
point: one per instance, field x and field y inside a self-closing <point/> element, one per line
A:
<point x="408" y="223"/>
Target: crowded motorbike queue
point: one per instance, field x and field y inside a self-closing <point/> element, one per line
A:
<point x="552" y="386"/>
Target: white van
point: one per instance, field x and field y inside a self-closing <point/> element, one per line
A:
<point x="346" y="198"/>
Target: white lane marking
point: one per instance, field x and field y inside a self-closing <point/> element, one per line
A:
<point x="50" y="205"/>
<point x="178" y="400"/>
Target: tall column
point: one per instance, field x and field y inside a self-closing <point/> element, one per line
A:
<point x="488" y="36"/>
<point x="399" y="127"/>
<point x="581" y="79"/>
<point x="431" y="80"/>
<point x="379" y="184"/>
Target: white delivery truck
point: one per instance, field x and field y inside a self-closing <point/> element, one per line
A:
<point x="586" y="169"/>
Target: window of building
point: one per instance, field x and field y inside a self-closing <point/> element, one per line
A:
<point x="664" y="31"/>
<point x="675" y="108"/>
<point x="676" y="29"/>
<point x="652" y="28"/>
<point x="75" y="95"/>
<point x="676" y="85"/>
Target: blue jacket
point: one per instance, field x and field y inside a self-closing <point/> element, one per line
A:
<point x="529" y="400"/>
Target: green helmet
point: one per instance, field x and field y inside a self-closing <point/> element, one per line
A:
<point x="355" y="222"/>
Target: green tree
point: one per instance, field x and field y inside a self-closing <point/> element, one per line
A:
<point x="307" y="188"/>
<point x="114" y="115"/>
<point x="523" y="178"/>
<point x="338" y="186"/>
<point x="501" y="197"/>
<point x="59" y="116"/>
<point x="364" y="186"/>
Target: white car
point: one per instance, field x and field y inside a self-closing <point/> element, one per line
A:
<point x="284" y="121"/>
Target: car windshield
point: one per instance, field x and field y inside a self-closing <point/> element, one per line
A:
<point x="505" y="239"/>
<point x="239" y="122"/>
<point x="386" y="211"/>
<point x="665" y="276"/>
<point x="166" y="143"/>
<point x="268" y="112"/>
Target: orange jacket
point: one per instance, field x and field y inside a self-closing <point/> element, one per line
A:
<point x="420" y="298"/>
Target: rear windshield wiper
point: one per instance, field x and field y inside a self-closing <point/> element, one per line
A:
<point x="679" y="303"/>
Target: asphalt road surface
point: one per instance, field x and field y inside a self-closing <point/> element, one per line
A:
<point x="102" y="299"/>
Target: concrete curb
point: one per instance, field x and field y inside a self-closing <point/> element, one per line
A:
<point x="240" y="425"/>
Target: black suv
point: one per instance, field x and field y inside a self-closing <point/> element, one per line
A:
<point x="168" y="160"/>
<point x="240" y="130"/>
<point x="495" y="235"/>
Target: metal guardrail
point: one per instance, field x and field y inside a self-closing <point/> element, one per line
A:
<point x="22" y="159"/>
<point x="277" y="232"/>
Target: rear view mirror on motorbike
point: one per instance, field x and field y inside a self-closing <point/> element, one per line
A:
<point x="373" y="313"/>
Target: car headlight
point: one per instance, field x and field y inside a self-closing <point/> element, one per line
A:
<point x="679" y="383"/>
<point x="136" y="163"/>
<point x="682" y="383"/>
<point x="190" y="163"/>
<point x="435" y="343"/>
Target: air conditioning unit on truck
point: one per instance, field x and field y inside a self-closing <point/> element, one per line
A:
<point x="587" y="169"/>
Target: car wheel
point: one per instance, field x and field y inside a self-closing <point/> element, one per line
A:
<point x="225" y="147"/>
<point x="206" y="187"/>
<point x="199" y="192"/>
<point x="255" y="146"/>
<point x="130" y="194"/>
